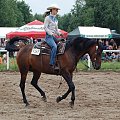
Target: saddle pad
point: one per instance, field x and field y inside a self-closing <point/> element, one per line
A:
<point x="35" y="51"/>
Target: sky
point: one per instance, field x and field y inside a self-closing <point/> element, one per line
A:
<point x="40" y="6"/>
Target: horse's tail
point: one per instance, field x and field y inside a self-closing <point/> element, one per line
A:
<point x="16" y="43"/>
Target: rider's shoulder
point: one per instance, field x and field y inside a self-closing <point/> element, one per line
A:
<point x="47" y="17"/>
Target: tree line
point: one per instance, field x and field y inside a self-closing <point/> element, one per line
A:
<point x="101" y="13"/>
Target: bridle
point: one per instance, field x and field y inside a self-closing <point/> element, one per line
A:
<point x="96" y="52"/>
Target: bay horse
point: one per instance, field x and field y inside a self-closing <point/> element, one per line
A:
<point x="74" y="50"/>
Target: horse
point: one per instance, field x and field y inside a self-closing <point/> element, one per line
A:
<point x="74" y="50"/>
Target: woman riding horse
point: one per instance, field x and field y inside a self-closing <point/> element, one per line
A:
<point x="51" y="28"/>
<point x="74" y="50"/>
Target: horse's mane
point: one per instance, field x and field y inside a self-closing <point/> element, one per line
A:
<point x="80" y="43"/>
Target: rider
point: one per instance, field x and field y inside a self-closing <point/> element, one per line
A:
<point x="51" y="28"/>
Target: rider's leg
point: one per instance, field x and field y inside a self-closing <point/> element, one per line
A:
<point x="51" y="42"/>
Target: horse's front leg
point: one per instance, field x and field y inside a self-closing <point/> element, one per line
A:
<point x="36" y="76"/>
<point x="22" y="87"/>
<point x="68" y="78"/>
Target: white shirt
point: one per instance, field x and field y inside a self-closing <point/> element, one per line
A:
<point x="51" y="25"/>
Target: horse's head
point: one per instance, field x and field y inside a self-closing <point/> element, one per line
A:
<point x="95" y="52"/>
<point x="81" y="46"/>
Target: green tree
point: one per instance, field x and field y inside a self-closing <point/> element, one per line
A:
<point x="7" y="13"/>
<point x="39" y="17"/>
<point x="75" y="18"/>
<point x="14" y="13"/>
<point x="64" y="21"/>
<point x="106" y="13"/>
<point x="25" y="11"/>
<point x="102" y="13"/>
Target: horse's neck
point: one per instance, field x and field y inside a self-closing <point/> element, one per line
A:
<point x="79" y="55"/>
<point x="78" y="48"/>
<point x="76" y="55"/>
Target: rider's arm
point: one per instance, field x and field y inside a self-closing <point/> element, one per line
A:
<point x="57" y="31"/>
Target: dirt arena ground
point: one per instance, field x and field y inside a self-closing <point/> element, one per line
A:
<point x="97" y="97"/>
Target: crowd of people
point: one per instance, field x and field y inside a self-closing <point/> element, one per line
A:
<point x="110" y="45"/>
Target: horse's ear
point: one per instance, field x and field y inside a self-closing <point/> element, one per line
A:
<point x="100" y="45"/>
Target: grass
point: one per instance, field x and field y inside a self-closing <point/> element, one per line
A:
<point x="13" y="65"/>
<point x="115" y="66"/>
<point x="105" y="66"/>
<point x="3" y="67"/>
<point x="82" y="65"/>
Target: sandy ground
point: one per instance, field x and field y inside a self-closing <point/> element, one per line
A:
<point x="97" y="97"/>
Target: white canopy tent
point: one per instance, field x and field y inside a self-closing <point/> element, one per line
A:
<point x="5" y="30"/>
<point x="91" y="32"/>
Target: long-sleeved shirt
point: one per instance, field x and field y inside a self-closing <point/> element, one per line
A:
<point x="51" y="25"/>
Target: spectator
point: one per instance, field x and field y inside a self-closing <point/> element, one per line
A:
<point x="4" y="58"/>
<point x="0" y="60"/>
<point x="106" y="46"/>
<point x="108" y="55"/>
<point x="2" y="42"/>
<point x="118" y="55"/>
<point x="113" y="43"/>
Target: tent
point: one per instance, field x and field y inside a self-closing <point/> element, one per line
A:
<point x="115" y="35"/>
<point x="91" y="32"/>
<point x="34" y="29"/>
<point x="5" y="30"/>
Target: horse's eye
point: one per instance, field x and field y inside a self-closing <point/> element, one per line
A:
<point x="99" y="53"/>
<point x="17" y="45"/>
<point x="96" y="47"/>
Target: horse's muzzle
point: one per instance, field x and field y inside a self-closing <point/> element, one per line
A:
<point x="96" y="65"/>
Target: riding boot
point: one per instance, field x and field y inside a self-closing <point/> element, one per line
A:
<point x="54" y="67"/>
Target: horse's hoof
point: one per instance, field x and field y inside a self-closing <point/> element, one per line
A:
<point x="71" y="104"/>
<point x="58" y="99"/>
<point x="27" y="104"/>
<point x="44" y="99"/>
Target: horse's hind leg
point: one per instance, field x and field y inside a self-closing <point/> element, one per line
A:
<point x="22" y="86"/>
<point x="34" y="82"/>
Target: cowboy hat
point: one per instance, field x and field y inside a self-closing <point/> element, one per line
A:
<point x="53" y="6"/>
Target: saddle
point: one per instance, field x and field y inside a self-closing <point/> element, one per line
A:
<point x="46" y="49"/>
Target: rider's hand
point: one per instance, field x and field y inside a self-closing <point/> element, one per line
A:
<point x="61" y="34"/>
<point x="54" y="35"/>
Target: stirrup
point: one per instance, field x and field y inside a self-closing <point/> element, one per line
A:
<point x="56" y="68"/>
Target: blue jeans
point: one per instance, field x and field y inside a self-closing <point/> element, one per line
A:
<point x="50" y="40"/>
